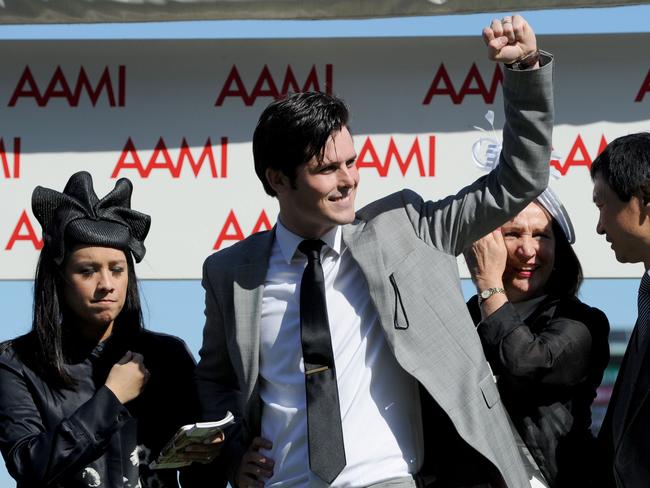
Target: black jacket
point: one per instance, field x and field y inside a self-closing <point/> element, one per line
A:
<point x="548" y="368"/>
<point x="80" y="436"/>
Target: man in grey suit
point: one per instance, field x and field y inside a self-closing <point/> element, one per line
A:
<point x="414" y="399"/>
<point x="621" y="175"/>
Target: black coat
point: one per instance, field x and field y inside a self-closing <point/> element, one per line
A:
<point x="79" y="436"/>
<point x="548" y="368"/>
<point x="624" y="438"/>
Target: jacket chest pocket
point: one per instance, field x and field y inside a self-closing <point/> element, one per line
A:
<point x="400" y="319"/>
<point x="411" y="280"/>
<point x="489" y="389"/>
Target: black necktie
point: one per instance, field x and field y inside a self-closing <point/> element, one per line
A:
<point x="324" y="431"/>
<point x="644" y="310"/>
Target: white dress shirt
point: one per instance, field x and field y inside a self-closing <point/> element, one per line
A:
<point x="379" y="401"/>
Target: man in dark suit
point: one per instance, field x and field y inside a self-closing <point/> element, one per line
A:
<point x="405" y="392"/>
<point x="621" y="175"/>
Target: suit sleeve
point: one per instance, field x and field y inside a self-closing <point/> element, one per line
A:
<point x="560" y="353"/>
<point x="36" y="456"/>
<point x="455" y="222"/>
<point x="215" y="378"/>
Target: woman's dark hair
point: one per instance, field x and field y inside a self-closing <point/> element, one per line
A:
<point x="51" y="313"/>
<point x="293" y="130"/>
<point x="566" y="277"/>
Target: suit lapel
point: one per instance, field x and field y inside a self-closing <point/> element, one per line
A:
<point x="364" y="246"/>
<point x="614" y="416"/>
<point x="248" y="288"/>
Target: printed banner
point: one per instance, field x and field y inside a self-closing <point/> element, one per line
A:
<point x="176" y="117"/>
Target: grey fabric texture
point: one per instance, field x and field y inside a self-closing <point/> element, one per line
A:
<point x="406" y="247"/>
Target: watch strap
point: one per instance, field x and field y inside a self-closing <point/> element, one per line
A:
<point x="525" y="62"/>
<point x="487" y="293"/>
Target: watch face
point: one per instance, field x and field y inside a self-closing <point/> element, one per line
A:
<point x="486" y="293"/>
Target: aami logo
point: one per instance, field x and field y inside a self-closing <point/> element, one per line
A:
<point x="113" y="86"/>
<point x="645" y="88"/>
<point x="10" y="169"/>
<point x="474" y="84"/>
<point x="232" y="231"/>
<point x="578" y="155"/>
<point x="161" y="159"/>
<point x="267" y="86"/>
<point x="24" y="231"/>
<point x="423" y="154"/>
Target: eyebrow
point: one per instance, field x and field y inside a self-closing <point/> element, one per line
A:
<point x="324" y="164"/>
<point x="520" y="227"/>
<point x="86" y="261"/>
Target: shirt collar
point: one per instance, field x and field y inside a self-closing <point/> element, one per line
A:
<point x="288" y="241"/>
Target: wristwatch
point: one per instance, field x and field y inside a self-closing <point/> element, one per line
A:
<point x="487" y="293"/>
<point x="525" y="62"/>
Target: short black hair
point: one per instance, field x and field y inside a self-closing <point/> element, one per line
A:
<point x="293" y="130"/>
<point x="625" y="166"/>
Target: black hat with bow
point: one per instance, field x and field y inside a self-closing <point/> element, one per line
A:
<point x="78" y="216"/>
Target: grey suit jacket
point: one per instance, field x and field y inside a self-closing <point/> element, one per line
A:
<point x="406" y="249"/>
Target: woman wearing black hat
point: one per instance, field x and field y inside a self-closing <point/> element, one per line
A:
<point x="87" y="397"/>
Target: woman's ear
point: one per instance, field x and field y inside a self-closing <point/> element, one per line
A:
<point x="277" y="180"/>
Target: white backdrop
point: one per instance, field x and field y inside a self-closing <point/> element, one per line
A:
<point x="176" y="118"/>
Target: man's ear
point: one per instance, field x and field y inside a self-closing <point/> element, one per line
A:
<point x="277" y="180"/>
<point x="644" y="205"/>
<point x="644" y="196"/>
